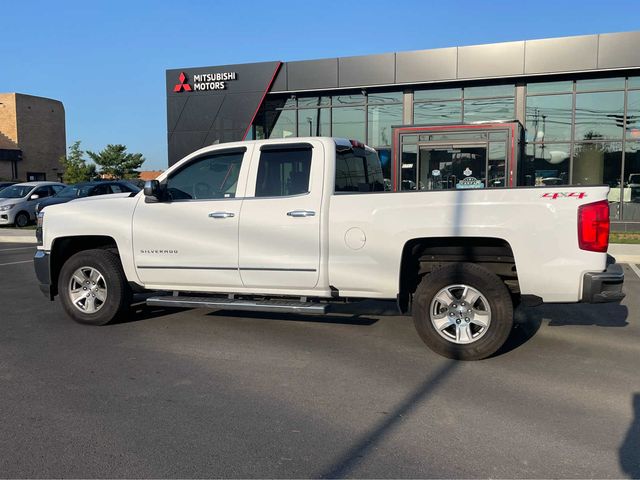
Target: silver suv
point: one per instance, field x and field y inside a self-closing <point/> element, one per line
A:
<point x="18" y="202"/>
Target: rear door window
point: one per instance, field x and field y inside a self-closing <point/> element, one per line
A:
<point x="284" y="172"/>
<point x="358" y="170"/>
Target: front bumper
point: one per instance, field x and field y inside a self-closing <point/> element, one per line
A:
<point x="42" y="265"/>
<point x="601" y="287"/>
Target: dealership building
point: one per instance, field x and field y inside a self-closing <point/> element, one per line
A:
<point x="559" y="111"/>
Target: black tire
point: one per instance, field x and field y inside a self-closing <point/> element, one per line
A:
<point x="22" y="219"/>
<point x="118" y="296"/>
<point x="489" y="285"/>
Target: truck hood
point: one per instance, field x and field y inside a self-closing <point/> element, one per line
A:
<point x="102" y="197"/>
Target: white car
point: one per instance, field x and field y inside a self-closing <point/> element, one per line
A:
<point x="18" y="202"/>
<point x="305" y="224"/>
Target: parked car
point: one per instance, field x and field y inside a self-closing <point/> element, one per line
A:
<point x="4" y="185"/>
<point x="276" y="226"/>
<point x="88" y="189"/>
<point x="18" y="202"/>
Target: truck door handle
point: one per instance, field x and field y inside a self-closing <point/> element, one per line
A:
<point x="221" y="214"/>
<point x="301" y="213"/>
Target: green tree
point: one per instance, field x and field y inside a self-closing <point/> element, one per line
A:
<point x="75" y="166"/>
<point x="115" y="162"/>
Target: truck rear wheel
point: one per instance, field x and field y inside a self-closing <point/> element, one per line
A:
<point x="463" y="311"/>
<point x="93" y="287"/>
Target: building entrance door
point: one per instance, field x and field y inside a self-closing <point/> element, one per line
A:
<point x="456" y="156"/>
<point x="446" y="167"/>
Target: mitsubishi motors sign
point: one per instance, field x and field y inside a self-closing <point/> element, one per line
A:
<point x="204" y="81"/>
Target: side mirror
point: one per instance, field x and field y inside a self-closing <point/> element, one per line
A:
<point x="152" y="190"/>
<point x="35" y="196"/>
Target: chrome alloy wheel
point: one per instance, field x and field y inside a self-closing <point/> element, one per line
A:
<point x="460" y="314"/>
<point x="87" y="290"/>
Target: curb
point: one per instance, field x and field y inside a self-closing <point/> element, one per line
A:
<point x="18" y="239"/>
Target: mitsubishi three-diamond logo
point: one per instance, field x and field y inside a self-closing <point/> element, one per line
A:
<point x="183" y="85"/>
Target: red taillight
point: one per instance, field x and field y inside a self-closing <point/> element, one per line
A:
<point x="593" y="226"/>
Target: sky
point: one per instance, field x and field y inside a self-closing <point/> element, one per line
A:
<point x="105" y="60"/>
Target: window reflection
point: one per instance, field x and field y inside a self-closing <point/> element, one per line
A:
<point x="348" y="122"/>
<point x="548" y="118"/>
<point x="437" y="112"/>
<point x="597" y="163"/>
<point x="285" y="124"/>
<point x="313" y="122"/>
<point x="381" y="119"/>
<point x="546" y="165"/>
<point x="437" y="94"/>
<point x="599" y="115"/>
<point x="386" y="97"/>
<point x="549" y="87"/>
<point x="489" y="109"/>
<point x="489" y="91"/>
<point x="633" y="115"/>
<point x="600" y="84"/>
<point x="630" y="194"/>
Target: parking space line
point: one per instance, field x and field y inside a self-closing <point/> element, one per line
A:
<point x="635" y="269"/>
<point x="17" y="248"/>
<point x="15" y="263"/>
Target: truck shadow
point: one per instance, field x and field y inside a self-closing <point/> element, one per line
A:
<point x="528" y="320"/>
<point x="356" y="455"/>
<point x="629" y="451"/>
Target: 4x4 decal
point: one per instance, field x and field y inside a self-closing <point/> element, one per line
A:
<point x="555" y="195"/>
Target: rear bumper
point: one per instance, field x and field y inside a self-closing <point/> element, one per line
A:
<point x="602" y="287"/>
<point x="42" y="265"/>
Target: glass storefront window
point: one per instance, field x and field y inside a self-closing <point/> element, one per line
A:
<point x="313" y="101"/>
<point x="314" y="122"/>
<point x="630" y="194"/>
<point x="599" y="115"/>
<point x="597" y="163"/>
<point x="437" y="94"/>
<point x="348" y="122"/>
<point x="496" y="176"/>
<point x="546" y="165"/>
<point x="490" y="91"/>
<point x="285" y="125"/>
<point x="633" y="115"/>
<point x="386" y="97"/>
<point x="409" y="168"/>
<point x="381" y="119"/>
<point x="489" y="109"/>
<point x="549" y="118"/>
<point x="549" y="87"/>
<point x="633" y="82"/>
<point x="434" y="113"/>
<point x="356" y="99"/>
<point x="289" y="103"/>
<point x="600" y="84"/>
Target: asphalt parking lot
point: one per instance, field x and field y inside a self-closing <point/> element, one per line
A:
<point x="204" y="394"/>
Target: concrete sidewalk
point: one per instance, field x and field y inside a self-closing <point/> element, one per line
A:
<point x="625" y="253"/>
<point x="17" y="235"/>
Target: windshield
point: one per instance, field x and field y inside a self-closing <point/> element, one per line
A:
<point x="75" y="191"/>
<point x="16" y="191"/>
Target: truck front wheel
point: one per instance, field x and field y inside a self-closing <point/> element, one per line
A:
<point x="93" y="287"/>
<point x="463" y="311"/>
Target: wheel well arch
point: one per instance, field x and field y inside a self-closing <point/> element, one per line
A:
<point x="421" y="256"/>
<point x="64" y="248"/>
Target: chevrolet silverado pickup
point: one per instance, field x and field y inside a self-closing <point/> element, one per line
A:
<point x="305" y="225"/>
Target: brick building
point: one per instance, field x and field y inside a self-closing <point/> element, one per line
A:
<point x="32" y="137"/>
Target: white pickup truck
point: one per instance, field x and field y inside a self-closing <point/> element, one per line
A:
<point x="300" y="225"/>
